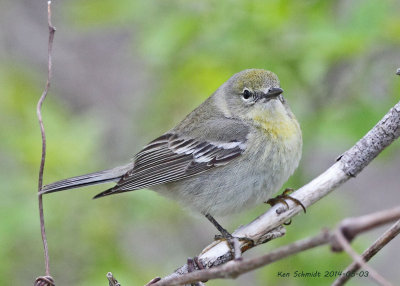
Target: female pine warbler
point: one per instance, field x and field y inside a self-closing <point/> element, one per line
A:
<point x="233" y="151"/>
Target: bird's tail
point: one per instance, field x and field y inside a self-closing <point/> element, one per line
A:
<point x="89" y="179"/>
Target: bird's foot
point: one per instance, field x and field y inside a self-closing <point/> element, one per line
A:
<point x="232" y="241"/>
<point x="234" y="244"/>
<point x="282" y="199"/>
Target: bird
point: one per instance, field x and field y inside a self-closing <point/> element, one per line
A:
<point x="232" y="152"/>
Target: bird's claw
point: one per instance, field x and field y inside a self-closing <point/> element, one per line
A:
<point x="282" y="199"/>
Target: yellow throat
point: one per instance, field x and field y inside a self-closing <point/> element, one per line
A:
<point x="277" y="121"/>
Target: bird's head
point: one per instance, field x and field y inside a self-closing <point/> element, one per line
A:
<point x="251" y="90"/>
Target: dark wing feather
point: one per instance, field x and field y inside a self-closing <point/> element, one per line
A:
<point x="170" y="158"/>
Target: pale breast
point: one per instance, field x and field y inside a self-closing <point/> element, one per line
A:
<point x="275" y="159"/>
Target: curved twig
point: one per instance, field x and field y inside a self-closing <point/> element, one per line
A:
<point x="52" y="30"/>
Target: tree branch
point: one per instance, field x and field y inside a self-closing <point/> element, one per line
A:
<point x="234" y="268"/>
<point x="347" y="166"/>
<point x="45" y="280"/>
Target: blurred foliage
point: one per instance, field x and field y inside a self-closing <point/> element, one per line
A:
<point x="324" y="53"/>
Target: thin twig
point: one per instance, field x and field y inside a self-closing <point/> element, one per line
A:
<point x="352" y="226"/>
<point x="39" y="115"/>
<point x="384" y="239"/>
<point x="341" y="239"/>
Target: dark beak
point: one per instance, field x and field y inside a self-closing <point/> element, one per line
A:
<point x="274" y="92"/>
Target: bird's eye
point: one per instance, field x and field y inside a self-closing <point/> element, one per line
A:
<point x="246" y="94"/>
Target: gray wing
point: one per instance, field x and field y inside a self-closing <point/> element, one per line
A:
<point x="171" y="158"/>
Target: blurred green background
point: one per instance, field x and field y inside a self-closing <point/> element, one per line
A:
<point x="126" y="71"/>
